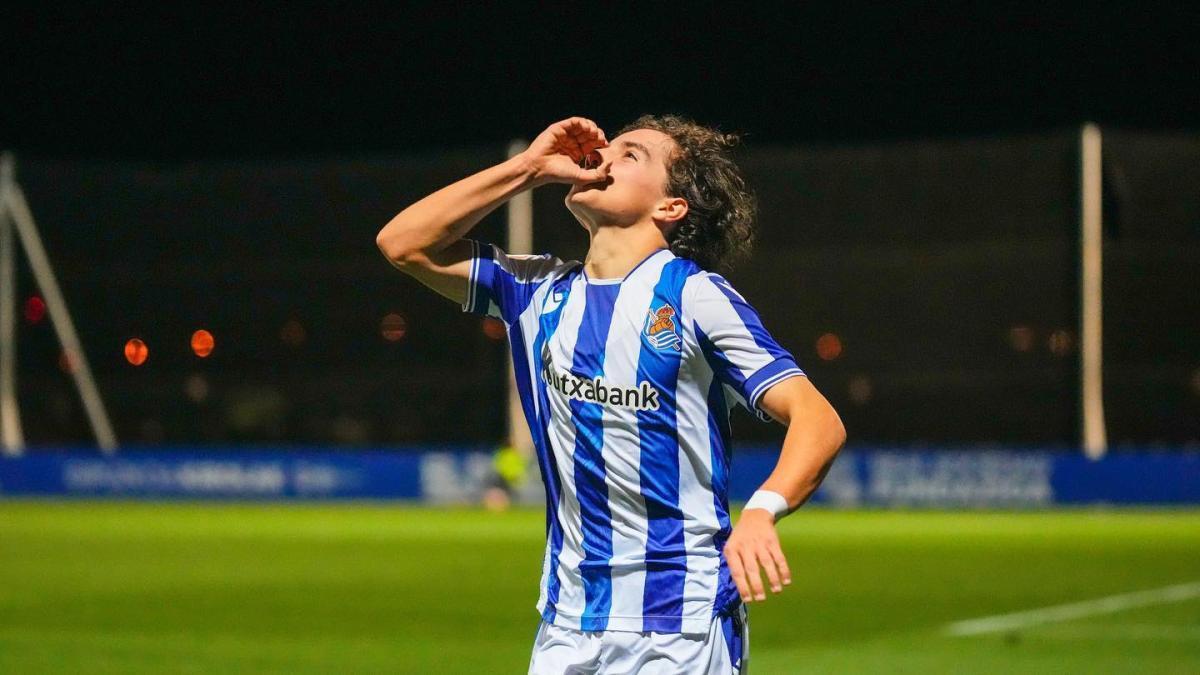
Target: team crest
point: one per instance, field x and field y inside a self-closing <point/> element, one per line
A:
<point x="662" y="328"/>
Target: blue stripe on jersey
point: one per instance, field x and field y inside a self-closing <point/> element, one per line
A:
<point x="764" y="377"/>
<point x="480" y="277"/>
<point x="666" y="558"/>
<point x="719" y="439"/>
<point x="514" y="295"/>
<point x="548" y="324"/>
<point x="723" y="369"/>
<point x="733" y="630"/>
<point x="750" y="319"/>
<point x="498" y="286"/>
<point x="588" y="363"/>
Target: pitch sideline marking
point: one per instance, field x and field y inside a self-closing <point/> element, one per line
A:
<point x="1127" y="631"/>
<point x="1075" y="610"/>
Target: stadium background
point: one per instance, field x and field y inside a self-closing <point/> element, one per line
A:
<point x="918" y="176"/>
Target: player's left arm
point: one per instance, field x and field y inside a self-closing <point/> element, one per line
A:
<point x="814" y="437"/>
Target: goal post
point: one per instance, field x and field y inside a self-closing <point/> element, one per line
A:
<point x="12" y="439"/>
<point x="1091" y="327"/>
<point x="520" y="241"/>
<point x="15" y="213"/>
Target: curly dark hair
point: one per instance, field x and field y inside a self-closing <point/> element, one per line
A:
<point x="718" y="230"/>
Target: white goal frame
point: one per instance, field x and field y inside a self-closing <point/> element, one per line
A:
<point x="15" y="214"/>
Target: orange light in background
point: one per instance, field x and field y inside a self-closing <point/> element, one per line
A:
<point x="35" y="309"/>
<point x="1021" y="338"/>
<point x="1061" y="342"/>
<point x="829" y="346"/>
<point x="494" y="329"/>
<point x="1196" y="382"/>
<point x="393" y="327"/>
<point x="292" y="333"/>
<point x="136" y="351"/>
<point x="202" y="343"/>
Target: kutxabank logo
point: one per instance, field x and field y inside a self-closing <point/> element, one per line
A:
<point x="596" y="390"/>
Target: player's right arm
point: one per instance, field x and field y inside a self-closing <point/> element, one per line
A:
<point x="426" y="241"/>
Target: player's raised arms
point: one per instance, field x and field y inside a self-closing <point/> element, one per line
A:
<point x="425" y="240"/>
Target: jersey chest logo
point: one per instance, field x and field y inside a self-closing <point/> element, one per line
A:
<point x="662" y="328"/>
<point x="553" y="300"/>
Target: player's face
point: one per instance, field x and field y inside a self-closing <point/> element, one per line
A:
<point x="636" y="182"/>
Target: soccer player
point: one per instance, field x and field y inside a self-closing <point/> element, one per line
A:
<point x="628" y="365"/>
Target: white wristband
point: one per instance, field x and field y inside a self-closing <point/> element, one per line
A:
<point x="771" y="501"/>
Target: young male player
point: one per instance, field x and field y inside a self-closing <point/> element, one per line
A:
<point x="628" y="364"/>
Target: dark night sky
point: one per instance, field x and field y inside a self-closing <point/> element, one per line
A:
<point x="333" y="79"/>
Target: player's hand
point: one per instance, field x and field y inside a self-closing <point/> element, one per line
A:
<point x="565" y="153"/>
<point x="753" y="549"/>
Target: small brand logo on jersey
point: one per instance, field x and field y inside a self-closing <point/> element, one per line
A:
<point x="553" y="301"/>
<point x="662" y="329"/>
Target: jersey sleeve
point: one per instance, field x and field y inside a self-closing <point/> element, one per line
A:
<point x="743" y="355"/>
<point x="501" y="285"/>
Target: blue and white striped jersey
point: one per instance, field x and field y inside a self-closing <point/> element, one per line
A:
<point x="627" y="385"/>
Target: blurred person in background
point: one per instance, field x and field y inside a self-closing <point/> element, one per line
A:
<point x="628" y="365"/>
<point x="507" y="476"/>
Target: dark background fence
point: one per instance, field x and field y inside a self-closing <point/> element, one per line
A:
<point x="943" y="275"/>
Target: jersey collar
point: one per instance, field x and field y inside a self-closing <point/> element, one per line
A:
<point x="590" y="280"/>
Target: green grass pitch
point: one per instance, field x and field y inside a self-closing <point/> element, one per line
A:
<point x="133" y="587"/>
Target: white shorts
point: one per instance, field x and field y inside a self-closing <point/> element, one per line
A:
<point x="565" y="651"/>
